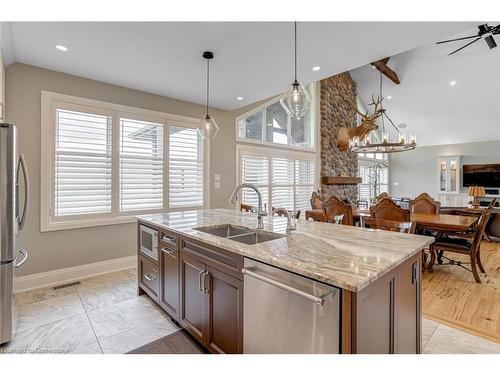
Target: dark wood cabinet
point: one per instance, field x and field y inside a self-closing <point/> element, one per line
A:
<point x="149" y="277"/>
<point x="225" y="312"/>
<point x="193" y="306"/>
<point x="385" y="316"/>
<point x="169" y="289"/>
<point x="212" y="298"/>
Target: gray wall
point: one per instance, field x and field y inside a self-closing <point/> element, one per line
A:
<point x="59" y="249"/>
<point x="416" y="171"/>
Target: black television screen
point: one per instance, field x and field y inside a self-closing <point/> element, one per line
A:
<point x="487" y="175"/>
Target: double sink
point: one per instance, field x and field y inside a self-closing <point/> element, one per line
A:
<point x="240" y="234"/>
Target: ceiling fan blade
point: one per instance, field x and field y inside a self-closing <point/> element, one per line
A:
<point x="461" y="48"/>
<point x="454" y="40"/>
<point x="490" y="41"/>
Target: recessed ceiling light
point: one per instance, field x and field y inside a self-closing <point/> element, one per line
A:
<point x="62" y="48"/>
<point x="239" y="98"/>
<point x="389" y="97"/>
<point x="316" y="68"/>
<point x="453" y="83"/>
<point x="402" y="126"/>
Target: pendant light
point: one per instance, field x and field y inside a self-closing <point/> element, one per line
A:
<point x="296" y="100"/>
<point x="208" y="128"/>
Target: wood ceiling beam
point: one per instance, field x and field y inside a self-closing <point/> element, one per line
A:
<point x="381" y="66"/>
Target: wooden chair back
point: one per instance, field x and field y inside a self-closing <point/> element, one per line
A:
<point x="334" y="207"/>
<point x="388" y="210"/>
<point x="316" y="201"/>
<point x="424" y="204"/>
<point x="481" y="226"/>
<point x="390" y="225"/>
<point x="382" y="196"/>
<point x="296" y="215"/>
<point x="248" y="208"/>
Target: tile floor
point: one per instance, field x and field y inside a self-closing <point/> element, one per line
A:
<point x="104" y="315"/>
<point x="101" y="315"/>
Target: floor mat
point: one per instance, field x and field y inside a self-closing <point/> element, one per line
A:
<point x="176" y="343"/>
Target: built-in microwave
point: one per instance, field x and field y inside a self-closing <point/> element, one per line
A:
<point x="148" y="241"/>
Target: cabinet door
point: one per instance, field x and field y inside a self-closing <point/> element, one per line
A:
<point x="193" y="306"/>
<point x="225" y="312"/>
<point x="408" y="309"/>
<point x="169" y="294"/>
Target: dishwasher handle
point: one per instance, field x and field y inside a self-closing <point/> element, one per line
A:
<point x="318" y="300"/>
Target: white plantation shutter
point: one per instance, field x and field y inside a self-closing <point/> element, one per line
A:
<point x="305" y="178"/>
<point x="283" y="177"/>
<point x="82" y="169"/>
<point x="254" y="170"/>
<point x="185" y="167"/>
<point x="364" y="186"/>
<point x="141" y="165"/>
<point x="292" y="180"/>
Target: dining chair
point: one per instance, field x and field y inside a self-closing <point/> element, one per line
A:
<point x="334" y="207"/>
<point x="382" y="196"/>
<point x="424" y="204"/>
<point x="388" y="210"/>
<point x="464" y="245"/>
<point x="296" y="214"/>
<point x="316" y="202"/>
<point x="390" y="225"/>
<point x="248" y="208"/>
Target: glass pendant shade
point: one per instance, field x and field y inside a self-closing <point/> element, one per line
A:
<point x="208" y="128"/>
<point x="296" y="100"/>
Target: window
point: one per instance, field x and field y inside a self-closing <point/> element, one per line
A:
<point x="141" y="165"/>
<point x="285" y="179"/>
<point x="82" y="171"/>
<point x="271" y="124"/>
<point x="374" y="172"/>
<point x="185" y="167"/>
<point x="104" y="163"/>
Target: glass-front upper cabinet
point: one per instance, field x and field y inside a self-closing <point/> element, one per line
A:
<point x="448" y="174"/>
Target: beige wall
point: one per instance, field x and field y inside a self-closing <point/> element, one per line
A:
<point x="55" y="250"/>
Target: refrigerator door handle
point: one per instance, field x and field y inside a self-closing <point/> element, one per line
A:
<point x="18" y="263"/>
<point x="22" y="164"/>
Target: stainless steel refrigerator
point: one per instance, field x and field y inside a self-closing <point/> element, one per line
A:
<point x="12" y="219"/>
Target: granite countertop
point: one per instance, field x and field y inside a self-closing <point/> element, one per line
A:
<point x="344" y="256"/>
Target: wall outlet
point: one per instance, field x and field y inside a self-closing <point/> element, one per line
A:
<point x="395" y="183"/>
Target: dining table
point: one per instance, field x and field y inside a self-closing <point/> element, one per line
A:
<point x="442" y="223"/>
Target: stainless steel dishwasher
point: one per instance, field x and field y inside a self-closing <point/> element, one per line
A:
<point x="287" y="313"/>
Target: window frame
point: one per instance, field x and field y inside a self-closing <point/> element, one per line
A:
<point x="49" y="102"/>
<point x="314" y="124"/>
<point x="272" y="152"/>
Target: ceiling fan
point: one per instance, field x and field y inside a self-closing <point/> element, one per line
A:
<point x="483" y="30"/>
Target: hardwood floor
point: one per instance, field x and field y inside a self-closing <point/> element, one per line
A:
<point x="451" y="296"/>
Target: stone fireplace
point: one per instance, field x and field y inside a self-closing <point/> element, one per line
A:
<point x="335" y="93"/>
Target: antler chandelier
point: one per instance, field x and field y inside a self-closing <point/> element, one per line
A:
<point x="387" y="143"/>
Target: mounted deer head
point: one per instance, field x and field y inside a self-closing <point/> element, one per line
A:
<point x="368" y="123"/>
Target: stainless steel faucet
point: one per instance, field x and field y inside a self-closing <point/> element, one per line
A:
<point x="289" y="225"/>
<point x="261" y="213"/>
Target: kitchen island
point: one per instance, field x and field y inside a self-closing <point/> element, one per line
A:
<point x="367" y="282"/>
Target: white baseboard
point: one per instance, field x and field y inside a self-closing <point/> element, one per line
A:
<point x="65" y="275"/>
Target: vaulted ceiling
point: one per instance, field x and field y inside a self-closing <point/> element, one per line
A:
<point x="252" y="59"/>
<point x="428" y="102"/>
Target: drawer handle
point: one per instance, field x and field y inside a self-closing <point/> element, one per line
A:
<point x="149" y="277"/>
<point x="169" y="239"/>
<point x="168" y="251"/>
